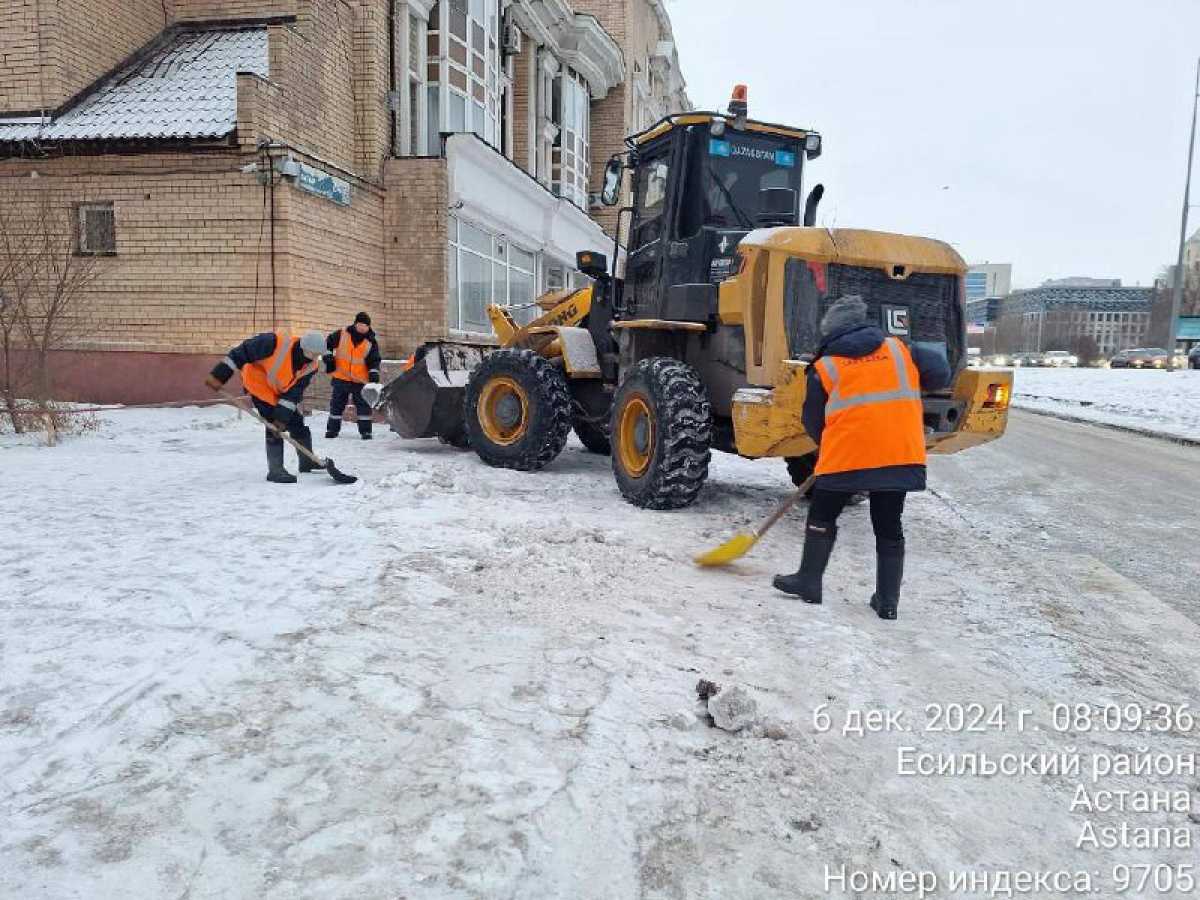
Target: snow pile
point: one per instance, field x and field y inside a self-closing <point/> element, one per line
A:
<point x="450" y="681"/>
<point x="1163" y="402"/>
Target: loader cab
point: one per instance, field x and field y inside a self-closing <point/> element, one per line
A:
<point x="701" y="182"/>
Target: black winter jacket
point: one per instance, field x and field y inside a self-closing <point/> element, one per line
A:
<point x="854" y="342"/>
<point x="373" y="358"/>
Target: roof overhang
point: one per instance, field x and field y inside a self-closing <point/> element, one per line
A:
<point x="577" y="39"/>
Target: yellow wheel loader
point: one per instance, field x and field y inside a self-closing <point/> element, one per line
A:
<point x="704" y="342"/>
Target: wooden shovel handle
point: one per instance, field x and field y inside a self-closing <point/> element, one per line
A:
<point x="785" y="506"/>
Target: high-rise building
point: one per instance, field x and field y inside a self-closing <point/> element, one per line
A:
<point x="988" y="280"/>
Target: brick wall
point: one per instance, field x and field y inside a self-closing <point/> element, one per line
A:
<point x="20" y="85"/>
<point x="523" y="99"/>
<point x="331" y="257"/>
<point x="415" y="237"/>
<point x="372" y="132"/>
<point x="311" y="63"/>
<point x="78" y="42"/>
<point x="212" y="10"/>
<point x="192" y="237"/>
<point x="609" y="127"/>
<point x="192" y="273"/>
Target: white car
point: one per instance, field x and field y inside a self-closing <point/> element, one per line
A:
<point x="1059" y="359"/>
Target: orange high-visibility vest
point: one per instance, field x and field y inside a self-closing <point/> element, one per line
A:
<point x="874" y="416"/>
<point x="268" y="378"/>
<point x="351" y="361"/>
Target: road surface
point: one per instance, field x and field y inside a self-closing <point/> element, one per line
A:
<point x="1132" y="502"/>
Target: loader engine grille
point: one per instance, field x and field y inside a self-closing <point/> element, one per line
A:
<point x="934" y="308"/>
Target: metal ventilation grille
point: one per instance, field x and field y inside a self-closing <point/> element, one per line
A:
<point x="934" y="309"/>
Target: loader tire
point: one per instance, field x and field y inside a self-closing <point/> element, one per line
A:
<point x="517" y="410"/>
<point x="800" y="467"/>
<point x="661" y="428"/>
<point x="593" y="436"/>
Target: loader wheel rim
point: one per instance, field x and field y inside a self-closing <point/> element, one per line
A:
<point x="503" y="410"/>
<point x="635" y="441"/>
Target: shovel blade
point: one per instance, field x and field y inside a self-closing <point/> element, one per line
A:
<point x="337" y="474"/>
<point x="734" y="548"/>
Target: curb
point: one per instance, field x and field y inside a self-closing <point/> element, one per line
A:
<point x="1126" y="429"/>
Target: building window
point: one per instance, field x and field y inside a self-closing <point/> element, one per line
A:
<point x="463" y="71"/>
<point x="486" y="268"/>
<point x="570" y="172"/>
<point x="96" y="229"/>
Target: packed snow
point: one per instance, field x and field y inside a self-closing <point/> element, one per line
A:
<point x="1156" y="401"/>
<point x="450" y="681"/>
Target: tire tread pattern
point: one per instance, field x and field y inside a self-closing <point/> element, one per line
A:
<point x="550" y="416"/>
<point x="684" y="435"/>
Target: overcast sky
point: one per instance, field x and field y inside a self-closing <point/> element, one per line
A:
<point x="1051" y="134"/>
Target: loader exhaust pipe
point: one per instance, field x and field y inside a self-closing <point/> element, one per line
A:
<point x="810" y="205"/>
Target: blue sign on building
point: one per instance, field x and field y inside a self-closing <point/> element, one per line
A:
<point x="323" y="185"/>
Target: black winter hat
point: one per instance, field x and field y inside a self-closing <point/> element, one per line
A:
<point x="364" y="318"/>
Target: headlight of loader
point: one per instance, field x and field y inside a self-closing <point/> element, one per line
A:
<point x="997" y="397"/>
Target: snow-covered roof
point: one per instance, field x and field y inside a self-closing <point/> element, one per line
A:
<point x="187" y="89"/>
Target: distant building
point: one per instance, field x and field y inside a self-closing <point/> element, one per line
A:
<point x="989" y="280"/>
<point x="983" y="311"/>
<point x="1081" y="282"/>
<point x="1063" y="318"/>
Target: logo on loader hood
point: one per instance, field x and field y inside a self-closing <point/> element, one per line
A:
<point x="895" y="320"/>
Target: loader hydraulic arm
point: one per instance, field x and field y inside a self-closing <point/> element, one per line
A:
<point x="566" y="310"/>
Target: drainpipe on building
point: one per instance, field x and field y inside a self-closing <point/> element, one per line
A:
<point x="393" y="98"/>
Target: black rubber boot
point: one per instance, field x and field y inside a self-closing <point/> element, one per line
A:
<point x="819" y="538"/>
<point x="275" y="470"/>
<point x="306" y="464"/>
<point x="333" y="428"/>
<point x="889" y="572"/>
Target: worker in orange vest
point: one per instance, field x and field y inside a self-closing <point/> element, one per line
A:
<point x="863" y="408"/>
<point x="353" y="363"/>
<point x="276" y="368"/>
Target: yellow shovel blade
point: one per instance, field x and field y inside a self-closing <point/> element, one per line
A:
<point x="734" y="548"/>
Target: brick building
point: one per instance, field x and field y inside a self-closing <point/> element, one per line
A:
<point x="239" y="165"/>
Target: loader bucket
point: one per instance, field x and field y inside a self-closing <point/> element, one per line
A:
<point x="427" y="400"/>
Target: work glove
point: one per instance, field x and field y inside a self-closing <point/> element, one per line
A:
<point x="214" y="382"/>
<point x="371" y="393"/>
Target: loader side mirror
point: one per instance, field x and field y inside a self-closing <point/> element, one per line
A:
<point x="612" y="182"/>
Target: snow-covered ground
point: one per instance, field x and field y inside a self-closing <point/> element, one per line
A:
<point x="1166" y="402"/>
<point x="448" y="681"/>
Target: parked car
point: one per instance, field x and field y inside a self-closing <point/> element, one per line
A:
<point x="1027" y="358"/>
<point x="1193" y="357"/>
<point x="1141" y="358"/>
<point x="1059" y="359"/>
<point x="1001" y="360"/>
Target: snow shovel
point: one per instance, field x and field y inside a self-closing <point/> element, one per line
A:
<point x="336" y="474"/>
<point x="740" y="544"/>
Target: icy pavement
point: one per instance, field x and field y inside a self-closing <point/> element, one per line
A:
<point x="448" y="681"/>
<point x="1165" y="402"/>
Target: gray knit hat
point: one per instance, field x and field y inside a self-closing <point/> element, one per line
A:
<point x="313" y="344"/>
<point x="845" y="312"/>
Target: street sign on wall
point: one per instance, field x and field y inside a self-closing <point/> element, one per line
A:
<point x="323" y="185"/>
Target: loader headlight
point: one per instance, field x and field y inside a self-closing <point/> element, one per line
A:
<point x="998" y="396"/>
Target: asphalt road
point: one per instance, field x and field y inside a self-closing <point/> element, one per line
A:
<point x="1130" y="501"/>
